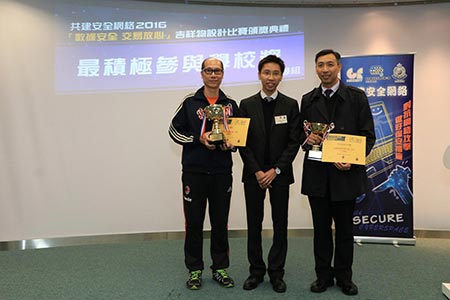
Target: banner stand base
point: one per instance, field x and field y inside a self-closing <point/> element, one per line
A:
<point x="446" y="289"/>
<point x="385" y="240"/>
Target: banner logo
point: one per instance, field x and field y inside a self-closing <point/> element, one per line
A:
<point x="355" y="76"/>
<point x="377" y="72"/>
<point x="399" y="73"/>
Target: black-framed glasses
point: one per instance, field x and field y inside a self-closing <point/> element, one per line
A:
<point x="209" y="71"/>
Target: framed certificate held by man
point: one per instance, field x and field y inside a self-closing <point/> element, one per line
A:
<point x="344" y="148"/>
<point x="237" y="131"/>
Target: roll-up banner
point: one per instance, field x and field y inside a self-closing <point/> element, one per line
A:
<point x="385" y="213"/>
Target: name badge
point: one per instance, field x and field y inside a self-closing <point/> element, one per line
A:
<point x="281" y="120"/>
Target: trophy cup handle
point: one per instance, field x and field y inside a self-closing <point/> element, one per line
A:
<point x="330" y="127"/>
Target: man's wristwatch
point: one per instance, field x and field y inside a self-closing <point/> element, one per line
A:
<point x="277" y="171"/>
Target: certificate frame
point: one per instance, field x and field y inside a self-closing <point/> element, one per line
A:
<point x="344" y="148"/>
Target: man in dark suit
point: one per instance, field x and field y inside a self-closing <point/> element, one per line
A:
<point x="332" y="188"/>
<point x="272" y="144"/>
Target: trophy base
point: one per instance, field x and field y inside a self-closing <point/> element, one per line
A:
<point x="216" y="139"/>
<point x="315" y="155"/>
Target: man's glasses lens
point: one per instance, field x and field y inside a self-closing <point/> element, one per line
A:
<point x="215" y="71"/>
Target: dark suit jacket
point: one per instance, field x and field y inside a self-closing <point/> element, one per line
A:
<point x="284" y="138"/>
<point x="352" y="115"/>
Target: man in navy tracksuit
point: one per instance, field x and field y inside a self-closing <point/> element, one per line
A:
<point x="206" y="176"/>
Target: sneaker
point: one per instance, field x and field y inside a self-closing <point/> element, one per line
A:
<point x="221" y="276"/>
<point x="195" y="280"/>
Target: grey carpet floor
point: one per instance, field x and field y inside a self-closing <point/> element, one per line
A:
<point x="155" y="270"/>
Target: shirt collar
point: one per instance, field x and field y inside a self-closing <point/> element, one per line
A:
<point x="273" y="96"/>
<point x="334" y="88"/>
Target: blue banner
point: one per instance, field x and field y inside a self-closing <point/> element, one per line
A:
<point x="387" y="208"/>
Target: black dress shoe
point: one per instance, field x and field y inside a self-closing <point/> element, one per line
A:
<point x="252" y="282"/>
<point x="278" y="285"/>
<point x="348" y="287"/>
<point x="321" y="285"/>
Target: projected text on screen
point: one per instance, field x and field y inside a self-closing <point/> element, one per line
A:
<point x="107" y="49"/>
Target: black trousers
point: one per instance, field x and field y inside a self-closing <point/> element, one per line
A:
<point x="198" y="190"/>
<point x="254" y="201"/>
<point x="324" y="212"/>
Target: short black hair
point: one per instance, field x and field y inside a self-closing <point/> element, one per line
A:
<point x="328" y="51"/>
<point x="271" y="59"/>
<point x="203" y="62"/>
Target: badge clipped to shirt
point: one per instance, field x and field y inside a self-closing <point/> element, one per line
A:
<point x="281" y="119"/>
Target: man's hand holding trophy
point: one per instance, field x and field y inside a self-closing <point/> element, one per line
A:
<point x="316" y="133"/>
<point x="215" y="137"/>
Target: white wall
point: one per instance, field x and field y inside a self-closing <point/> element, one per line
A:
<point x="103" y="163"/>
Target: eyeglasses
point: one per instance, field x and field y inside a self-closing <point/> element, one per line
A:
<point x="209" y="71"/>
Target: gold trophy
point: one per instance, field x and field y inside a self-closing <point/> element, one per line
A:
<point x="320" y="129"/>
<point x="215" y="113"/>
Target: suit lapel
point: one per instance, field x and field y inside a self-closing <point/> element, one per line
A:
<point x="278" y="106"/>
<point x="279" y="109"/>
<point x="259" y="113"/>
<point x="321" y="107"/>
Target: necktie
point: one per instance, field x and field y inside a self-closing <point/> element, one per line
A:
<point x="328" y="93"/>
<point x="268" y="98"/>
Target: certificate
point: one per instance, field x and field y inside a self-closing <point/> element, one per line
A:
<point x="344" y="148"/>
<point x="237" y="131"/>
